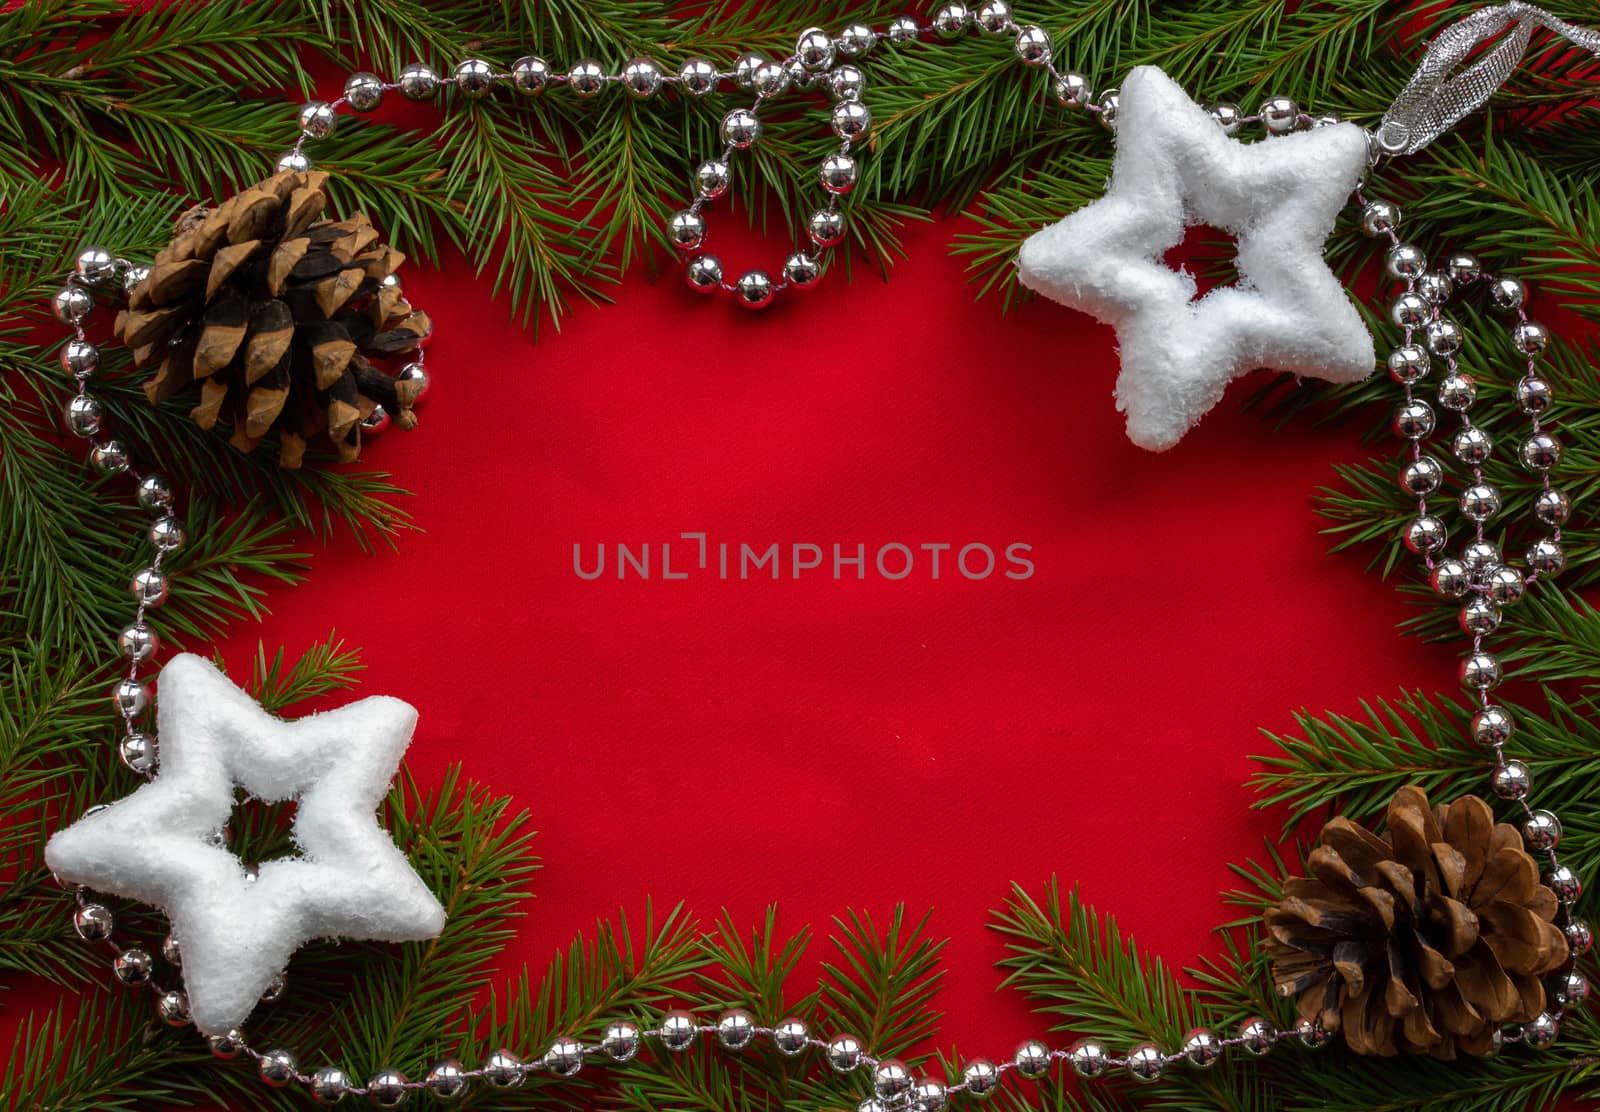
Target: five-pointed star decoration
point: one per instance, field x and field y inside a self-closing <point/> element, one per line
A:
<point x="1175" y="167"/>
<point x="158" y="845"/>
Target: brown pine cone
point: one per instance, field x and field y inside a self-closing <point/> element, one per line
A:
<point x="1423" y="940"/>
<point x="277" y="314"/>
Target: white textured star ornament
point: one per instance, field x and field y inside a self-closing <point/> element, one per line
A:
<point x="158" y="845"/>
<point x="1175" y="167"/>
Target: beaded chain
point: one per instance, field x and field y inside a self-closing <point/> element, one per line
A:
<point x="824" y="61"/>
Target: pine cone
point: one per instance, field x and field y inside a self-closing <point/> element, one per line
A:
<point x="277" y="314"/>
<point x="1422" y="941"/>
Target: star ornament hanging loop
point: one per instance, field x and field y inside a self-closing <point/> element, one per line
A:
<point x="1175" y="167"/>
<point x="237" y="931"/>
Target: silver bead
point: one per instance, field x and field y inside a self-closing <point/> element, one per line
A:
<point x="855" y="40"/>
<point x="1108" y="108"/>
<point x="872" y="1104"/>
<point x="329" y="1085"/>
<point x="277" y="1067"/>
<point x="826" y="227"/>
<point x="173" y="1008"/>
<point x="1435" y="287"/>
<point x="1480" y="617"/>
<point x="387" y="1088"/>
<point x="891" y="1079"/>
<point x="1533" y="395"/>
<point x="1256" y="1035"/>
<point x="1379" y="218"/>
<point x="1505" y="585"/>
<point x="814" y="49"/>
<point x="641" y="77"/>
<point x="704" y="274"/>
<point x="1471" y="444"/>
<point x="363" y="91"/>
<point x="903" y="29"/>
<point x="843" y="1053"/>
<point x="770" y="80"/>
<point x="79" y="358"/>
<point x="802" y="271"/>
<point x="620" y="1041"/>
<point x="1530" y="338"/>
<point x="1580" y="938"/>
<point x="228" y="1045"/>
<point x="1507" y="294"/>
<point x="447" y="1080"/>
<point x="1228" y="116"/>
<point x="1564" y="883"/>
<point x="1511" y="780"/>
<point x="84" y="415"/>
<point x="418" y="81"/>
<point x="980" y="1077"/>
<point x="1480" y="556"/>
<point x="294" y="162"/>
<point x="95" y="265"/>
<point x="678" y="1030"/>
<point x="1463" y="268"/>
<point x="131" y="697"/>
<point x="416" y="373"/>
<point x="1570" y="988"/>
<point x="155" y="493"/>
<point x="1539" y="1033"/>
<point x="1413" y="419"/>
<point x="1450" y="578"/>
<point x="317" y="119"/>
<point x="791" y="1037"/>
<point x="697" y="77"/>
<point x="138" y="642"/>
<point x="686" y="229"/>
<point x="134" y="277"/>
<point x="149" y="586"/>
<point x="1404" y="260"/>
<point x="1280" y="115"/>
<point x="1146" y="1063"/>
<point x="744" y="70"/>
<point x="1480" y="502"/>
<point x="1312" y="1035"/>
<point x="838" y="174"/>
<point x="93" y="922"/>
<point x="1457" y="391"/>
<point x="1033" y="45"/>
<point x="1072" y="90"/>
<point x="1425" y="533"/>
<point x="846" y="83"/>
<point x="1480" y="671"/>
<point x="166" y="533"/>
<point x="753" y="290"/>
<point x="1088" y="1058"/>
<point x="1202" y="1048"/>
<point x="1443" y="336"/>
<point x="133" y="966"/>
<point x="1408" y="363"/>
<point x="475" y="78"/>
<point x="851" y="119"/>
<point x="1545" y="556"/>
<point x="994" y="16"/>
<point x="1540" y="452"/>
<point x="138" y="752"/>
<point x="1032" y="1059"/>
<point x="1409" y="310"/>
<point x="586" y="78"/>
<point x="929" y="1095"/>
<point x="72" y="304"/>
<point x="736" y="1028"/>
<point x="530" y="75"/>
<point x="741" y="128"/>
<point x="109" y="458"/>
<point x="171" y="952"/>
<point x="1552" y="506"/>
<point x="1492" y="725"/>
<point x="565" y="1056"/>
<point x="280" y="980"/>
<point x="951" y="21"/>
<point x="503" y="1070"/>
<point x="1421" y="475"/>
<point x="1542" y="830"/>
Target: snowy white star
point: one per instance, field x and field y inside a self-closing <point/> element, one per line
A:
<point x="157" y="845"/>
<point x="1175" y="167"/>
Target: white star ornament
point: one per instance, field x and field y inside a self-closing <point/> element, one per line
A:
<point x="1175" y="167"/>
<point x="159" y="845"/>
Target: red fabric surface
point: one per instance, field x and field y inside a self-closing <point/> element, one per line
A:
<point x="834" y="744"/>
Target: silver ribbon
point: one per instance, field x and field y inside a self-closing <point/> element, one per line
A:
<point x="1433" y="101"/>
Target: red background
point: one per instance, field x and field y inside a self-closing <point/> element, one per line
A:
<point x="829" y="745"/>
